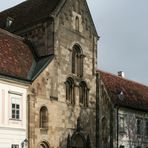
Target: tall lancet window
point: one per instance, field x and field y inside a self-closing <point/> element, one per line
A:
<point x="83" y="94"/>
<point x="77" y="23"/>
<point x="77" y="61"/>
<point x="43" y="117"/>
<point x="70" y="90"/>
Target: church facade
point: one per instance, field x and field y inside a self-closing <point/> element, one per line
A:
<point x="61" y="98"/>
<point x="68" y="103"/>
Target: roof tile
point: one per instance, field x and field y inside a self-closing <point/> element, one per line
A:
<point x="135" y="95"/>
<point x="16" y="57"/>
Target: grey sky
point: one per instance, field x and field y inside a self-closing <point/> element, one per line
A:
<point x="122" y="26"/>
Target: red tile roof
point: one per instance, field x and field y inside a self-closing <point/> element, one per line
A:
<point x="135" y="95"/>
<point x="16" y="57"/>
<point x="28" y="12"/>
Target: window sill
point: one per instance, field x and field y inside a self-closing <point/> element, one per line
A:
<point x="44" y="130"/>
<point x="12" y="119"/>
<point x="76" y="76"/>
<point x="82" y="105"/>
<point x="69" y="103"/>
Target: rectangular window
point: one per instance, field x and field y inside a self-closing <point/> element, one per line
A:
<point x="14" y="146"/>
<point x="139" y="126"/>
<point x="121" y="124"/>
<point x="15" y="108"/>
<point x="146" y="128"/>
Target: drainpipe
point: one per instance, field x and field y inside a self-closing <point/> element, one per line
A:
<point x="97" y="111"/>
<point x="117" y="125"/>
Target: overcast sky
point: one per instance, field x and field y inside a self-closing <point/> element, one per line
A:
<point x="123" y="28"/>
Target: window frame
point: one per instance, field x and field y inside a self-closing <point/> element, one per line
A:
<point x="70" y="90"/>
<point x="77" y="23"/>
<point x="83" y="94"/>
<point x="15" y="107"/>
<point x="139" y="126"/>
<point x="43" y="117"/>
<point x="77" y="60"/>
<point x="14" y="145"/>
<point x="15" y="111"/>
<point x="121" y="123"/>
<point x="146" y="127"/>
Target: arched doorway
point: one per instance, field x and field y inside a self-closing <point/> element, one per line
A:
<point x="78" y="141"/>
<point x="78" y="138"/>
<point x="43" y="145"/>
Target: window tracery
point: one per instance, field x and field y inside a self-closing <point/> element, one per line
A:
<point x="83" y="94"/>
<point x="70" y="90"/>
<point x="77" y="61"/>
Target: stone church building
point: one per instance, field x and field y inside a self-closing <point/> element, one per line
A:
<point x="61" y="97"/>
<point x="68" y="105"/>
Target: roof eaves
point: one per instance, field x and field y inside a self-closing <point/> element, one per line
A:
<point x="131" y="107"/>
<point x="15" y="78"/>
<point x="95" y="30"/>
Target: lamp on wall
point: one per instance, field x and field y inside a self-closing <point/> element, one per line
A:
<point x="25" y="141"/>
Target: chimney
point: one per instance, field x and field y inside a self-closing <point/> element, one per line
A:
<point x="121" y="74"/>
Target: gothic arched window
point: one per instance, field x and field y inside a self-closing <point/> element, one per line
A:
<point x="43" y="117"/>
<point x="77" y="61"/>
<point x="83" y="94"/>
<point x="70" y="90"/>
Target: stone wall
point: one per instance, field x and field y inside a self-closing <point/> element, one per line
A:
<point x="106" y="118"/>
<point x="49" y="88"/>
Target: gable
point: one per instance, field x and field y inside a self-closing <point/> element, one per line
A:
<point x="68" y="10"/>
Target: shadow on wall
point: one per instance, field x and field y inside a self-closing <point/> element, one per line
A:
<point x="83" y="135"/>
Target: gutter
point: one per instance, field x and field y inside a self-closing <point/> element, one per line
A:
<point x="132" y="108"/>
<point x="14" y="78"/>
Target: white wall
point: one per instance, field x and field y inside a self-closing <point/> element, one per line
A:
<point x="12" y="131"/>
<point x="129" y="138"/>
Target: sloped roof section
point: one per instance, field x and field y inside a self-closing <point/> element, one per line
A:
<point x="134" y="95"/>
<point x="15" y="57"/>
<point x="27" y="12"/>
<point x="18" y="60"/>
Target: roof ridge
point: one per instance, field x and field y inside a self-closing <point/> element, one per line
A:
<point x="39" y="8"/>
<point x="126" y="79"/>
<point x="13" y="6"/>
